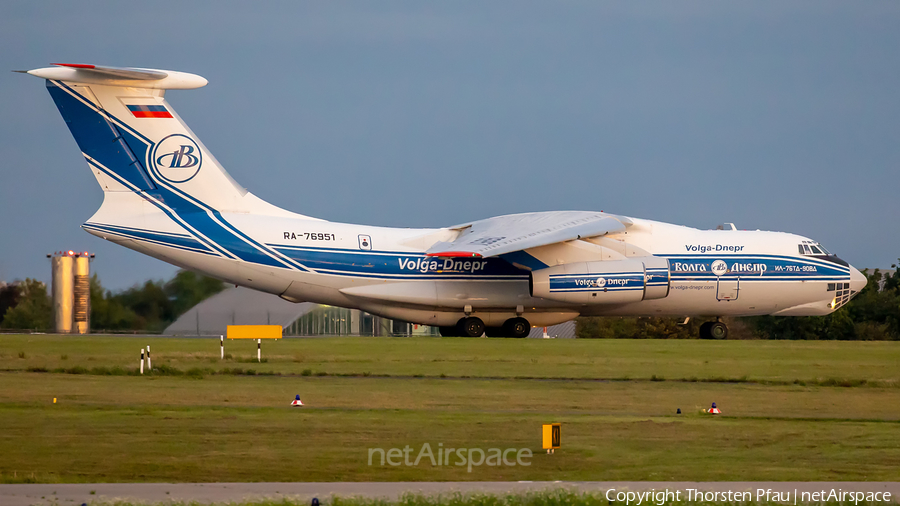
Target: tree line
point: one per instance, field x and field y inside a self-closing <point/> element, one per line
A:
<point x="150" y="307"/>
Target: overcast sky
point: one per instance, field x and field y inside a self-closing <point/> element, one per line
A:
<point x="772" y="115"/>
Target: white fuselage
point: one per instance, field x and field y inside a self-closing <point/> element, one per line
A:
<point x="385" y="271"/>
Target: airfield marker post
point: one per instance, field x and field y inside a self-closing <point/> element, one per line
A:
<point x="222" y="346"/>
<point x="142" y="361"/>
<point x="259" y="350"/>
<point x="149" y="367"/>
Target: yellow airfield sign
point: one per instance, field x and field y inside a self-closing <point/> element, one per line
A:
<point x="551" y="436"/>
<point x="254" y="332"/>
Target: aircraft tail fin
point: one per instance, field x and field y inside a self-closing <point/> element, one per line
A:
<point x="134" y="141"/>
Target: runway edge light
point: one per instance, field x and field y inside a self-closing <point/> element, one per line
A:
<point x="550" y="437"/>
<point x="297" y="401"/>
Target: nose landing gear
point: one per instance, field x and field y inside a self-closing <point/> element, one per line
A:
<point x="713" y="330"/>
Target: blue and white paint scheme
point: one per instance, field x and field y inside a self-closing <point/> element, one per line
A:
<point x="167" y="196"/>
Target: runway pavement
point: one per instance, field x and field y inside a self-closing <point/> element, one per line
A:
<point x="77" y="494"/>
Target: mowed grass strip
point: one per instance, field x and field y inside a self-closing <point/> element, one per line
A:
<point x="814" y="362"/>
<point x="225" y="428"/>
<point x="652" y="399"/>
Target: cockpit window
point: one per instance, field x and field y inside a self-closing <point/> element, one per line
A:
<point x="812" y="248"/>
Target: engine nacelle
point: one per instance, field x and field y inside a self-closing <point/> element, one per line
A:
<point x="608" y="282"/>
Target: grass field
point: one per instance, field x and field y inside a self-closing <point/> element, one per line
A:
<point x="791" y="410"/>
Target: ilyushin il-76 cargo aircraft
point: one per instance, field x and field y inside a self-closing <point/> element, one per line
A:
<point x="166" y="196"/>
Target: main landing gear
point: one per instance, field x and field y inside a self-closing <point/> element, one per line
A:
<point x="713" y="330"/>
<point x="474" y="327"/>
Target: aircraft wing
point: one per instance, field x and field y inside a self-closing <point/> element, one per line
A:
<point x="515" y="232"/>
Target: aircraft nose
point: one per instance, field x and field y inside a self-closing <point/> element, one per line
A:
<point x="857" y="280"/>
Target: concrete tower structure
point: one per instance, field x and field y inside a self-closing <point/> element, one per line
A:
<point x="71" y="275"/>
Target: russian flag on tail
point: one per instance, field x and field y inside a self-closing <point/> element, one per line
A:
<point x="149" y="111"/>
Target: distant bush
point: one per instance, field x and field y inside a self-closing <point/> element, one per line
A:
<point x="198" y="373"/>
<point x="167" y="370"/>
<point x="30" y="308"/>
<point x="109" y="371"/>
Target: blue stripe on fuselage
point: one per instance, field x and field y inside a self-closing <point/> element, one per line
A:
<point x="754" y="267"/>
<point x="398" y="264"/>
<point x="165" y="238"/>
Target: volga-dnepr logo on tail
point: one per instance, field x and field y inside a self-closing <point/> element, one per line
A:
<point x="177" y="158"/>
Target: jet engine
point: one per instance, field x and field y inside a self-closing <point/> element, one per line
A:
<point x="605" y="282"/>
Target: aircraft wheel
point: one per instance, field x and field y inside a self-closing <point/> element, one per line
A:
<point x="517" y="327"/>
<point x="704" y="330"/>
<point x="718" y="330"/>
<point x="470" y="327"/>
<point x="449" y="331"/>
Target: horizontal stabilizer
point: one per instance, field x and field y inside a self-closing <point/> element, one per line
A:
<point x="118" y="76"/>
